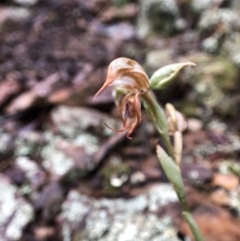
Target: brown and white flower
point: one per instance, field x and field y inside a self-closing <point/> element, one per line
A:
<point x="130" y="76"/>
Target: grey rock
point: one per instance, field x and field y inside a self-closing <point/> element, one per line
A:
<point x="33" y="172"/>
<point x="10" y="17"/>
<point x="73" y="121"/>
<point x="235" y="4"/>
<point x="224" y="40"/>
<point x="6" y="146"/>
<point x="200" y="6"/>
<point x="226" y="141"/>
<point x="55" y="160"/>
<point x="112" y="31"/>
<point x="15" y="211"/>
<point x="118" y="219"/>
<point x="227" y="17"/>
<point x="28" y="143"/>
<point x="26" y="2"/>
<point x="76" y="141"/>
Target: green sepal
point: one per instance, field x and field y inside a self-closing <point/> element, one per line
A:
<point x="165" y="75"/>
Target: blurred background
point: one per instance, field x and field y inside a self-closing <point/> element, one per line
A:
<point x="63" y="175"/>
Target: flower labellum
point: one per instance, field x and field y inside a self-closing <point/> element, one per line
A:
<point x="130" y="76"/>
<point x="130" y="109"/>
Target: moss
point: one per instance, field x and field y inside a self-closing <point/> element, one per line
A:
<point x="115" y="169"/>
<point x="159" y="16"/>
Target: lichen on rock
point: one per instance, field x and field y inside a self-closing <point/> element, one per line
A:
<point x="16" y="212"/>
<point x="78" y="135"/>
<point x="200" y="6"/>
<point x="220" y="29"/>
<point x="119" y="219"/>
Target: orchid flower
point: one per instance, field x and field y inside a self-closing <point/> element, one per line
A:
<point x="129" y="75"/>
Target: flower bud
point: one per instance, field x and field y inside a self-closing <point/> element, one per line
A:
<point x="165" y="75"/>
<point x="176" y="125"/>
<point x="176" y="121"/>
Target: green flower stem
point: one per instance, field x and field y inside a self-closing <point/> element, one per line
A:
<point x="193" y="225"/>
<point x="168" y="161"/>
<point x="157" y="116"/>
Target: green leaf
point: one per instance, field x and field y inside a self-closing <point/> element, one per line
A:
<point x="165" y="75"/>
<point x="171" y="169"/>
<point x="173" y="174"/>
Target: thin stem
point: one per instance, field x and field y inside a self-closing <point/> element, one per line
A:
<point x="169" y="161"/>
<point x="193" y="225"/>
<point x="184" y="203"/>
<point x="168" y="145"/>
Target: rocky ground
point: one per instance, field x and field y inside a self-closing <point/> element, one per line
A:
<point x="64" y="175"/>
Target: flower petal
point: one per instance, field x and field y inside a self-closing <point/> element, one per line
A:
<point x="128" y="74"/>
<point x="121" y="130"/>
